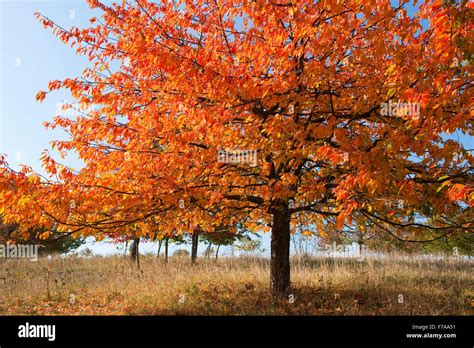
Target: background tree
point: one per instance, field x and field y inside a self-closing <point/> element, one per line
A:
<point x="250" y="246"/>
<point x="456" y="241"/>
<point x="176" y="238"/>
<point x="181" y="253"/>
<point x="55" y="243"/>
<point x="224" y="236"/>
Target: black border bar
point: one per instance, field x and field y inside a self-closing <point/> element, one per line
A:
<point x="195" y="331"/>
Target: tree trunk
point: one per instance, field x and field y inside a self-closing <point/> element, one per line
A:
<point x="126" y="247"/>
<point x="135" y="252"/>
<point x="280" y="252"/>
<point x="194" y="246"/>
<point x="217" y="251"/>
<point x="160" y="243"/>
<point x="166" y="249"/>
<point x="208" y="250"/>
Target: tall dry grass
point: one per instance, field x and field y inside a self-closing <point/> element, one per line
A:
<point x="234" y="286"/>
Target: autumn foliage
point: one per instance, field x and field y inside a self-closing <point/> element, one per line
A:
<point x="300" y="84"/>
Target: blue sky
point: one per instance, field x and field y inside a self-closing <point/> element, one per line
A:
<point x="30" y="57"/>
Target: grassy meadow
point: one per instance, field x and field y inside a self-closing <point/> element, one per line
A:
<point x="234" y="286"/>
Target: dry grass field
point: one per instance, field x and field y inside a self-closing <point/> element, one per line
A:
<point x="234" y="286"/>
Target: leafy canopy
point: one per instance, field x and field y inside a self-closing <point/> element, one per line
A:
<point x="302" y="83"/>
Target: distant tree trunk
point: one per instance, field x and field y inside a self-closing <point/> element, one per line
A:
<point x="194" y="246"/>
<point x="166" y="249"/>
<point x="217" y="251"/>
<point x="160" y="242"/>
<point x="208" y="250"/>
<point x="280" y="252"/>
<point x="135" y="252"/>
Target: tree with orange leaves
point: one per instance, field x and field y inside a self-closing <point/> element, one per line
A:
<point x="198" y="114"/>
